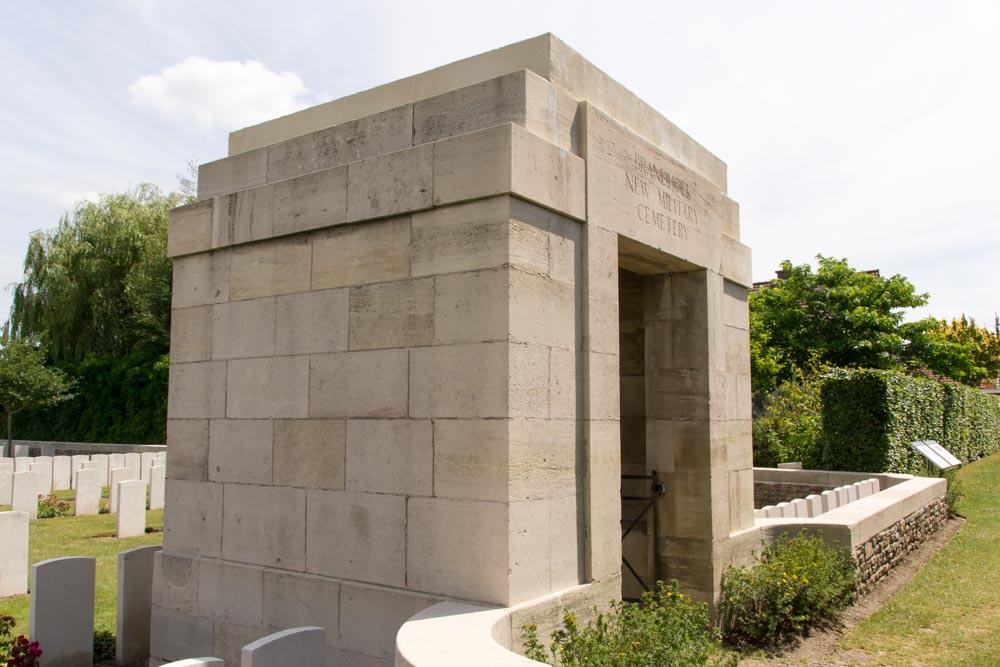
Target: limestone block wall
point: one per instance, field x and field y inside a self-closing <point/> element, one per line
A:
<point x="375" y="394"/>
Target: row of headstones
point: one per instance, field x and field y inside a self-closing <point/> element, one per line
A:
<point x="813" y="505"/>
<point x="58" y="473"/>
<point x="62" y="617"/>
<point x="20" y="488"/>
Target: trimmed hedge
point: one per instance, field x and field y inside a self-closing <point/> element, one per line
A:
<point x="971" y="422"/>
<point x="118" y="399"/>
<point x="870" y="417"/>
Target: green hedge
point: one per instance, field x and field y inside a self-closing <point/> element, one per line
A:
<point x="118" y="399"/>
<point x="971" y="422"/>
<point x="870" y="417"/>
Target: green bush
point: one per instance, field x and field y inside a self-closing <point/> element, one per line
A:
<point x="797" y="584"/>
<point x="667" y="628"/>
<point x="104" y="645"/>
<point x="971" y="422"/>
<point x="870" y="417"/>
<point x="118" y="399"/>
<point x="50" y="507"/>
<point x="790" y="425"/>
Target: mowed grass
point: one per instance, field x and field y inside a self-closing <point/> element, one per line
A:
<point x="949" y="613"/>
<point x="92" y="536"/>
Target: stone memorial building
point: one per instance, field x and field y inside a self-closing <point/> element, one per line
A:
<point x="419" y="333"/>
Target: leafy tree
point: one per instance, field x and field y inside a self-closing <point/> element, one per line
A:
<point x="25" y="380"/>
<point x="100" y="282"/>
<point x="837" y="316"/>
<point x="964" y="351"/>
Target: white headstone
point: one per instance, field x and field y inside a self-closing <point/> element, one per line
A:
<point x="6" y="486"/>
<point x="815" y="505"/>
<point x="102" y="459"/>
<point x="787" y="510"/>
<point x="117" y="475"/>
<point x="863" y="489"/>
<point x="25" y="495"/>
<point x="852" y="493"/>
<point x="88" y="492"/>
<point x="44" y="471"/>
<point x="135" y="598"/>
<point x="829" y="499"/>
<point x="842" y="497"/>
<point x="7" y="464"/>
<point x="157" y="487"/>
<point x="62" y="610"/>
<point x="23" y="463"/>
<point x="134" y="461"/>
<point x="772" y="512"/>
<point x="62" y="473"/>
<point x="131" y="519"/>
<point x="14" y="553"/>
<point x="876" y="486"/>
<point x="77" y="461"/>
<point x="758" y="514"/>
<point x="146" y="460"/>
<point x="801" y="508"/>
<point x="302" y="647"/>
<point x="115" y="461"/>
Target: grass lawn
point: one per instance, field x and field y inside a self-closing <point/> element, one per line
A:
<point x="82" y="536"/>
<point x="949" y="613"/>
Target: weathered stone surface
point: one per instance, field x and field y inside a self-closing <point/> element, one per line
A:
<point x="393" y="314"/>
<point x="274" y="267"/>
<point x="360" y="536"/>
<point x="390" y="184"/>
<point x="175" y="634"/>
<point x="470" y="459"/>
<point x="230" y="174"/>
<point x="194" y="524"/>
<point x="463" y="381"/>
<point x="190" y="229"/>
<point x="264" y="525"/>
<point x="14" y="555"/>
<point x="471" y="307"/>
<point x="243" y="216"/>
<point x="187" y="440"/>
<point x="240" y="450"/>
<point x="311" y="201"/>
<point x="310" y="453"/>
<point x="371" y="616"/>
<point x="458" y="548"/>
<point x="294" y="600"/>
<point x="355" y="255"/>
<point x="135" y="591"/>
<point x="62" y="610"/>
<point x="243" y="329"/>
<point x="464" y="237"/>
<point x="312" y="322"/>
<point x="201" y="279"/>
<point x="197" y="391"/>
<point x="268" y="388"/>
<point x="390" y="456"/>
<point x="368" y="384"/>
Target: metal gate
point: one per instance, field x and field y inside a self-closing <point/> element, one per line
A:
<point x="656" y="488"/>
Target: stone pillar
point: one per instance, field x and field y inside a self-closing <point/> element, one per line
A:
<point x="698" y="409"/>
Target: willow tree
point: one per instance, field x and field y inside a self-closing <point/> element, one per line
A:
<point x="100" y="282"/>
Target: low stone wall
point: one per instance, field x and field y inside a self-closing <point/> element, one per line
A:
<point x="878" y="556"/>
<point x="52" y="448"/>
<point x="783" y="485"/>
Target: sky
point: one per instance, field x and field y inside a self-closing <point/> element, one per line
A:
<point x="863" y="130"/>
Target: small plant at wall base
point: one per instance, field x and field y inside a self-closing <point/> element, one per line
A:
<point x="797" y="584"/>
<point x="666" y="628"/>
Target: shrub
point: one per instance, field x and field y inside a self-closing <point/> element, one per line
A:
<point x="104" y="645"/>
<point x="797" y="584"/>
<point x="51" y="506"/>
<point x="971" y="422"/>
<point x="16" y="651"/>
<point x="666" y="628"/>
<point x="790" y="425"/>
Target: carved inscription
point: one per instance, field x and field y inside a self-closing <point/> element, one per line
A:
<point x="664" y="197"/>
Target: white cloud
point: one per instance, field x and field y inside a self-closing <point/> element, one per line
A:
<point x="229" y="94"/>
